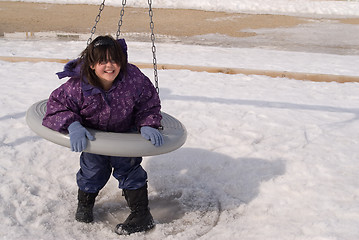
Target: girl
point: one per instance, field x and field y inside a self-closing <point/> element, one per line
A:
<point x="107" y="93"/>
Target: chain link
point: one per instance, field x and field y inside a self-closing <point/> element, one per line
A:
<point x="152" y="26"/>
<point x="97" y="19"/>
<point x="120" y="21"/>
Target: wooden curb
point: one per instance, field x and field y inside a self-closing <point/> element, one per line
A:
<point x="31" y="59"/>
<point x="315" y="77"/>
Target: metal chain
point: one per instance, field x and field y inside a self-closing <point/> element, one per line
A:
<point x="152" y="25"/>
<point x="97" y="19"/>
<point x="120" y="21"/>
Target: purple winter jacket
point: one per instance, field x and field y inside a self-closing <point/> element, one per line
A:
<point x="132" y="102"/>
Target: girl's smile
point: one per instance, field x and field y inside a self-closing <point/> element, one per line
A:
<point x="107" y="73"/>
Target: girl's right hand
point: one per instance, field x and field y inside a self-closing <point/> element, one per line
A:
<point x="78" y="136"/>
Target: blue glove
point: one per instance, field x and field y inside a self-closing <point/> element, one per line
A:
<point x="153" y="135"/>
<point x="78" y="136"/>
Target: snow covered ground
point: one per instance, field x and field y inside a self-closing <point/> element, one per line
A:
<point x="266" y="158"/>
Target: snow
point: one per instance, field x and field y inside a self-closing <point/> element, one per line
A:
<point x="266" y="158"/>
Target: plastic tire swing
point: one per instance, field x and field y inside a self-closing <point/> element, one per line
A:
<point x="109" y="143"/>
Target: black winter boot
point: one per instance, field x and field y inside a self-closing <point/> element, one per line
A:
<point x="85" y="205"/>
<point x="140" y="218"/>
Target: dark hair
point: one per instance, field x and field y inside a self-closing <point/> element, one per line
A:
<point x="99" y="50"/>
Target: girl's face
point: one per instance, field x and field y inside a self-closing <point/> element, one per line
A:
<point x="106" y="72"/>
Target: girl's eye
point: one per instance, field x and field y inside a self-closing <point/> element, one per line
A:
<point x="105" y="62"/>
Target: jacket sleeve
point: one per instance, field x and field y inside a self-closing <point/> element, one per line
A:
<point x="61" y="111"/>
<point x="148" y="106"/>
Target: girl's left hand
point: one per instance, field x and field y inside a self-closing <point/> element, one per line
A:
<point x="152" y="135"/>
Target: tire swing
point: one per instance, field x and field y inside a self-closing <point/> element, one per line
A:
<point x="110" y="143"/>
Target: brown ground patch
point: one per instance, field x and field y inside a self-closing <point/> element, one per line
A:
<point x="35" y="17"/>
